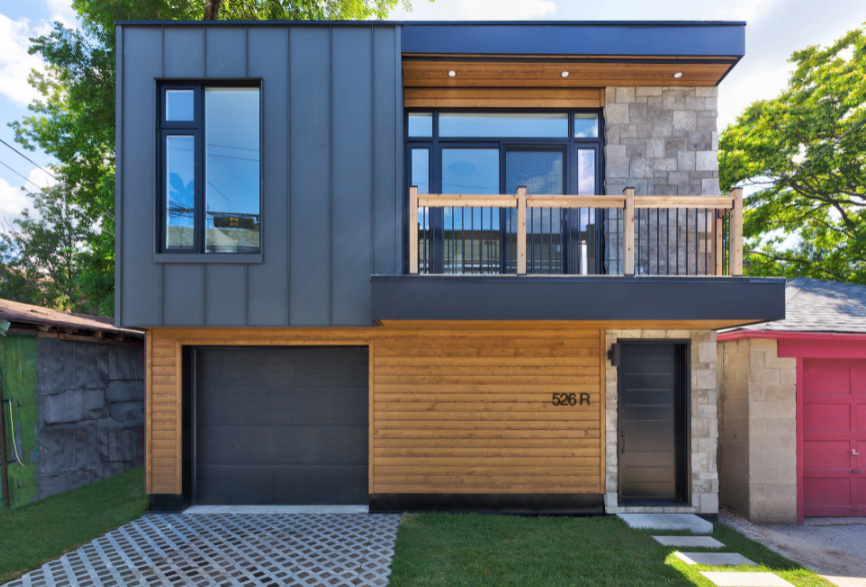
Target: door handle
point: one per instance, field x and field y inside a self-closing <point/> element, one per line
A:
<point x="622" y="442"/>
<point x="854" y="452"/>
<point x="855" y="470"/>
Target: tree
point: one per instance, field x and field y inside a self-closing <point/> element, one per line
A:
<point x="74" y="118"/>
<point x="42" y="254"/>
<point x="805" y="151"/>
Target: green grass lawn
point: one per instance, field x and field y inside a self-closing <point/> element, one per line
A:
<point x="38" y="532"/>
<point x="477" y="549"/>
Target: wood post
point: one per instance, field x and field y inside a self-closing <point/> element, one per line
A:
<point x="413" y="230"/>
<point x="521" y="231"/>
<point x="628" y="232"/>
<point x="737" y="232"/>
<point x="719" y="241"/>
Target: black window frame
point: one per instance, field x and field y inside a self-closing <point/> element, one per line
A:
<point x="196" y="128"/>
<point x="572" y="144"/>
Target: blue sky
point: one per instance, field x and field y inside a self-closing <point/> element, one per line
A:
<point x="775" y="29"/>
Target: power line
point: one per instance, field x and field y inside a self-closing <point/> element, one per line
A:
<point x="21" y="176"/>
<point x="30" y="160"/>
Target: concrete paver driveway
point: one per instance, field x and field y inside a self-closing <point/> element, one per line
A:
<point x="230" y="549"/>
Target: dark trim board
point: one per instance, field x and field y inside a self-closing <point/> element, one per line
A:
<point x="499" y="503"/>
<point x="460" y="297"/>
<point x="166" y="503"/>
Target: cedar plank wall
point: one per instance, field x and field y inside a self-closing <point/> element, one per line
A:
<point x="453" y="409"/>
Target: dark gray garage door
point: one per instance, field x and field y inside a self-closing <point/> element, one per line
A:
<point x="280" y="425"/>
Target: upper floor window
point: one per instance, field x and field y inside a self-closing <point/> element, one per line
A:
<point x="210" y="146"/>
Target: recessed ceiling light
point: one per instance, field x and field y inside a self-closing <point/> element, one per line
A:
<point x="678" y="75"/>
<point x="565" y="74"/>
<point x="452" y="73"/>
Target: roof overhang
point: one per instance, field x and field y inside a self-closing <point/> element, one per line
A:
<point x="599" y="54"/>
<point x="595" y="301"/>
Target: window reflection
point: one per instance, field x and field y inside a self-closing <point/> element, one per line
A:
<point x="179" y="105"/>
<point x="233" y="222"/>
<point x="179" y="191"/>
<point x="495" y="124"/>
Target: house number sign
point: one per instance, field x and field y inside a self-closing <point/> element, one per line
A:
<point x="570" y="399"/>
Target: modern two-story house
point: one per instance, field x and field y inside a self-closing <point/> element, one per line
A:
<point x="448" y="266"/>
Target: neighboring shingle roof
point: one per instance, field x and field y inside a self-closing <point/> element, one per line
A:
<point x="18" y="313"/>
<point x="813" y="305"/>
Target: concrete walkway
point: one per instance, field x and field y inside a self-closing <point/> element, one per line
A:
<point x="230" y="549"/>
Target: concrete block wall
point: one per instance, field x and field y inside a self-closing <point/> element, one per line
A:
<point x="90" y="422"/>
<point x="704" y="422"/>
<point x="663" y="141"/>
<point x="758" y="447"/>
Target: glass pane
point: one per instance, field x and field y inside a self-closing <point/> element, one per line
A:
<point x="421" y="124"/>
<point x="179" y="105"/>
<point x="179" y="191"/>
<point x="586" y="172"/>
<point x="421" y="170"/>
<point x="232" y="155"/>
<point x="541" y="172"/>
<point x="471" y="235"/>
<point x="585" y="125"/>
<point x="496" y="124"/>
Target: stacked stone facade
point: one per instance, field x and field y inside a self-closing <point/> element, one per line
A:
<point x="663" y="141"/>
<point x="704" y="422"/>
<point x="758" y="438"/>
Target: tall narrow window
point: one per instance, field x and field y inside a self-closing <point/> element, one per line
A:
<point x="210" y="141"/>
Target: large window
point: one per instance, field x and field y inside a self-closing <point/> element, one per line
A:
<point x="495" y="152"/>
<point x="210" y="196"/>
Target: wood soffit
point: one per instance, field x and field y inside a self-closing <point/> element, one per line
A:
<point x="541" y="72"/>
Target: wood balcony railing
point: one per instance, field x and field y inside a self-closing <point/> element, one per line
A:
<point x="625" y="235"/>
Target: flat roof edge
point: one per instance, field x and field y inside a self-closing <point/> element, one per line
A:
<point x="410" y="23"/>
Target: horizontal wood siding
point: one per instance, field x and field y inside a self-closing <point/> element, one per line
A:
<point x="453" y="409"/>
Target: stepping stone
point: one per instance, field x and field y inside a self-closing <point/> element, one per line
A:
<point x="689" y="522"/>
<point x="746" y="579"/>
<point x="689" y="541"/>
<point x="714" y="559"/>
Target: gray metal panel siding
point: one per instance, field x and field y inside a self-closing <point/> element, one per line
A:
<point x="332" y="144"/>
<point x="226" y="291"/>
<point x="184" y="295"/>
<point x="140" y="279"/>
<point x="184" y="52"/>
<point x="387" y="151"/>
<point x="351" y="254"/>
<point x="268" y="282"/>
<point x="118" y="203"/>
<point x="309" y="177"/>
<point x="225" y="52"/>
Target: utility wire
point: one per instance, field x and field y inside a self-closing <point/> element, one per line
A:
<point x="29" y="159"/>
<point x="21" y="176"/>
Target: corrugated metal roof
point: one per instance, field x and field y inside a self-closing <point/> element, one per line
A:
<point x="18" y="313"/>
<point x="814" y="305"/>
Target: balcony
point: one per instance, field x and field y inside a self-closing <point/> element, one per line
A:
<point x="627" y="261"/>
<point x="528" y="234"/>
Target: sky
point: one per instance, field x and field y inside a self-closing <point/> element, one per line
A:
<point x="775" y="29"/>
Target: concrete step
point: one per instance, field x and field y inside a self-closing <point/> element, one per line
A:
<point x="689" y="541"/>
<point x="714" y="559"/>
<point x="689" y="522"/>
<point x="723" y="579"/>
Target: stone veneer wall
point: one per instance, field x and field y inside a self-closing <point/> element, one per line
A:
<point x="662" y="141"/>
<point x="758" y="437"/>
<point x="704" y="422"/>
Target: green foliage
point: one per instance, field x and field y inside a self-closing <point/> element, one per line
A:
<point x="806" y="150"/>
<point x="74" y="122"/>
<point x="44" y="255"/>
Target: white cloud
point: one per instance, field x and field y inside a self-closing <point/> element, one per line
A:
<point x="477" y="10"/>
<point x="40" y="178"/>
<point x="61" y="11"/>
<point x="15" y="62"/>
<point x="12" y="201"/>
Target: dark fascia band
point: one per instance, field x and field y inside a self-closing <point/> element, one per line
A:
<point x="500" y="503"/>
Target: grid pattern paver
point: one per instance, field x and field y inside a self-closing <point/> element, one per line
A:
<point x="247" y="550"/>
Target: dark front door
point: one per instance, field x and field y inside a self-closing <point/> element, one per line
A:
<point x="652" y="422"/>
<point x="280" y="425"/>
